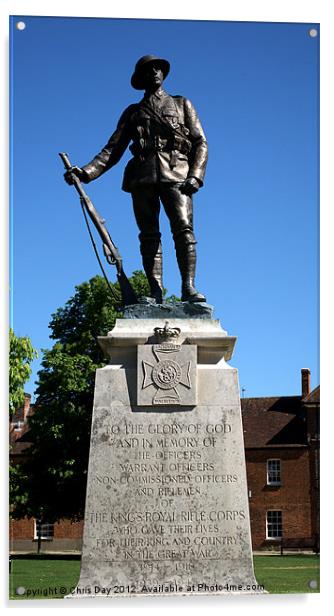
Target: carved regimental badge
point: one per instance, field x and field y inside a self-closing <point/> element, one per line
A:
<point x="166" y="372"/>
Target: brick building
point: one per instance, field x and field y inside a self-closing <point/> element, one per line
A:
<point x="64" y="536"/>
<point x="281" y="437"/>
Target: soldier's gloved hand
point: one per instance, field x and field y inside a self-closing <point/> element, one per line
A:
<point x="189" y="186"/>
<point x="75" y="171"/>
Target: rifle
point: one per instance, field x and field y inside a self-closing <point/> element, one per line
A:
<point x="110" y="250"/>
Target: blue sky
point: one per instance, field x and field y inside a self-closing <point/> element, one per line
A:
<point x="255" y="87"/>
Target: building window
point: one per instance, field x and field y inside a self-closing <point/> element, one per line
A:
<point x="274" y="472"/>
<point x="44" y="529"/>
<point x="274" y="525"/>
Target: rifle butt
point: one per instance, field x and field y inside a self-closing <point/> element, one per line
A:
<point x="128" y="295"/>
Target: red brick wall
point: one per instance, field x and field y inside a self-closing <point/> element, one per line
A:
<point x="22" y="529"/>
<point x="68" y="530"/>
<point x="292" y="497"/>
<point x="67" y="536"/>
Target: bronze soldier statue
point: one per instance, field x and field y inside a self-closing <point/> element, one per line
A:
<point x="169" y="158"/>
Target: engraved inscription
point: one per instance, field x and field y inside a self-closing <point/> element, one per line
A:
<point x="171" y="469"/>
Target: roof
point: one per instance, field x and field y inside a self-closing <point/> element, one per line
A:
<point x="313" y="397"/>
<point x="272" y="422"/>
<point x="267" y="422"/>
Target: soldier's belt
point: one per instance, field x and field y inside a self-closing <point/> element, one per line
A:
<point x="158" y="144"/>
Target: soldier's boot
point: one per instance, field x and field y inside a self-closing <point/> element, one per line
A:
<point x="186" y="258"/>
<point x="152" y="264"/>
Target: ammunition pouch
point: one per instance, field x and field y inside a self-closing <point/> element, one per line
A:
<point x="144" y="147"/>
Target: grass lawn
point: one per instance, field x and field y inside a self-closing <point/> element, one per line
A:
<point x="290" y="573"/>
<point x="52" y="579"/>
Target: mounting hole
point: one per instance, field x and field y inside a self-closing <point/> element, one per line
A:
<point x="20" y="25"/>
<point x="313" y="32"/>
<point x="20" y="590"/>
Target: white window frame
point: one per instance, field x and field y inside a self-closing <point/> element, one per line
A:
<point x="278" y="538"/>
<point x="46" y="534"/>
<point x="275" y="482"/>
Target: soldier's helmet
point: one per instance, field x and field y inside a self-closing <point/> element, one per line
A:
<point x="137" y="77"/>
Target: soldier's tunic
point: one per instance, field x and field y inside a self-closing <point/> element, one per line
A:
<point x="168" y="146"/>
<point x="160" y="155"/>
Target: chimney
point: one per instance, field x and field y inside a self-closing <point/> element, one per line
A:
<point x="26" y="406"/>
<point x="306" y="382"/>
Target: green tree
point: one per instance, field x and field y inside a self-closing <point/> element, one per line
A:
<point x="51" y="483"/>
<point x="21" y="354"/>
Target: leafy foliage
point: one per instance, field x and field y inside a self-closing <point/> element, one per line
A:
<point x="51" y="482"/>
<point x="21" y="354"/>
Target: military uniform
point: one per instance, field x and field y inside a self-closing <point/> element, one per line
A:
<point x="168" y="146"/>
<point x="159" y="155"/>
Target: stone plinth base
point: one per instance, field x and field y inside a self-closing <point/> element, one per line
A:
<point x="167" y="502"/>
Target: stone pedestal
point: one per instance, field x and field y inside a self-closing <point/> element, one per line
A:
<point x="167" y="502"/>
